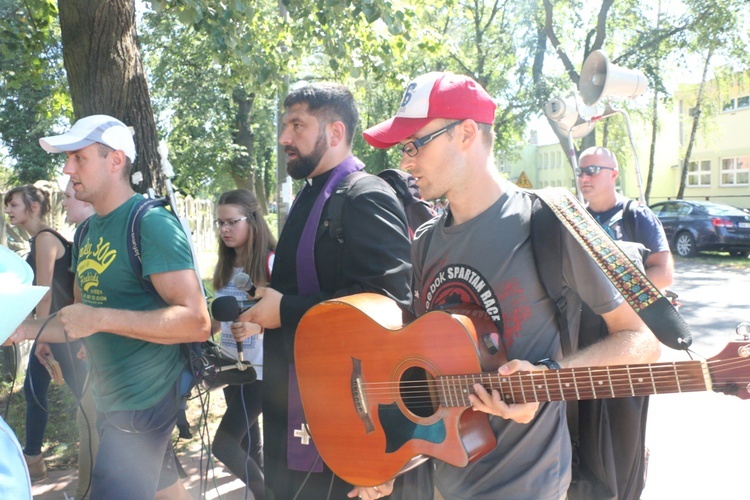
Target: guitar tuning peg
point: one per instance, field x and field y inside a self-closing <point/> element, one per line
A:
<point x="743" y="331"/>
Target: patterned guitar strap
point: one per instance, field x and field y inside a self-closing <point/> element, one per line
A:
<point x="656" y="311"/>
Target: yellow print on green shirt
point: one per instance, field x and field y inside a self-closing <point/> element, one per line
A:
<point x="92" y="262"/>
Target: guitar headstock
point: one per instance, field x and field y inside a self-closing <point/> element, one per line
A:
<point x="730" y="370"/>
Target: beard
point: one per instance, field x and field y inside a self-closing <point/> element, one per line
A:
<point x="303" y="165"/>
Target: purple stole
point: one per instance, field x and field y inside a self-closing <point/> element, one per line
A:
<point x="301" y="452"/>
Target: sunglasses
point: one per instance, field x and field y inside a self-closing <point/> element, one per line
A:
<point x="591" y="170"/>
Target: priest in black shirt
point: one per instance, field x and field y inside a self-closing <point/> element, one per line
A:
<point x="311" y="266"/>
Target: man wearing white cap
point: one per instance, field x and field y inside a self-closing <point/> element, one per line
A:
<point x="478" y="251"/>
<point x="132" y="336"/>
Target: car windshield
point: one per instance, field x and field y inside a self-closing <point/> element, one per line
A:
<point x="716" y="209"/>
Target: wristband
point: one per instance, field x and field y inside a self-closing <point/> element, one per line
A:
<point x="549" y="363"/>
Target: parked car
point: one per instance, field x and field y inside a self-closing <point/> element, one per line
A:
<point x="695" y="226"/>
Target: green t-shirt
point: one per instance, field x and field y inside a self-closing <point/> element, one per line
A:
<point x="129" y="374"/>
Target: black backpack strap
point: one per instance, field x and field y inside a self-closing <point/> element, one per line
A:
<point x="336" y="205"/>
<point x="628" y="218"/>
<point x="81" y="231"/>
<point x="134" y="239"/>
<point x="546" y="245"/>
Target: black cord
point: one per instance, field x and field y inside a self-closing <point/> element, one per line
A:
<point x="12" y="381"/>
<point x="31" y="378"/>
<point x="307" y="476"/>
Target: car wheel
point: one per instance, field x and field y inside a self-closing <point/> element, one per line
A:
<point x="685" y="245"/>
<point x="739" y="253"/>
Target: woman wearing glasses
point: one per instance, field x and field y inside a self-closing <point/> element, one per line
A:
<point x="246" y="245"/>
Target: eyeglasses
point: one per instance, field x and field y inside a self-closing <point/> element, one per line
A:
<point x="411" y="148"/>
<point x="229" y="222"/>
<point x="591" y="170"/>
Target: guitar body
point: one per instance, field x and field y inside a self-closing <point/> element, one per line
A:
<point x="354" y="374"/>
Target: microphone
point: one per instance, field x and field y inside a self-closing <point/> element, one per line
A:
<point x="228" y="308"/>
<point x="244" y="283"/>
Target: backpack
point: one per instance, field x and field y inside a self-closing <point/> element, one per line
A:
<point x="607" y="435"/>
<point x="417" y="210"/>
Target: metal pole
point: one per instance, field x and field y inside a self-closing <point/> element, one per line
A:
<point x="282" y="209"/>
<point x="642" y="197"/>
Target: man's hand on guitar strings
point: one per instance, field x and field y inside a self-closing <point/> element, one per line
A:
<point x="493" y="403"/>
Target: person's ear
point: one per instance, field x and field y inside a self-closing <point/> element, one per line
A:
<point x="118" y="159"/>
<point x="338" y="133"/>
<point x="469" y="132"/>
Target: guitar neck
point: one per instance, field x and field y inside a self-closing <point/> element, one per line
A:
<point x="601" y="382"/>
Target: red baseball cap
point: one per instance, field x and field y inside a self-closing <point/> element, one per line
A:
<point x="429" y="96"/>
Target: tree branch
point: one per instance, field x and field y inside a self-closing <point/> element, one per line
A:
<point x="552" y="36"/>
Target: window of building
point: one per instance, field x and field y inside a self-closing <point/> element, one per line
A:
<point x="735" y="171"/>
<point x="742" y="102"/>
<point x="699" y="173"/>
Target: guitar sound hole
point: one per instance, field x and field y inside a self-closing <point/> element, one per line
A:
<point x="417" y="392"/>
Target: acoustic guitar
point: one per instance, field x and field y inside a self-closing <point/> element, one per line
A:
<point x="380" y="396"/>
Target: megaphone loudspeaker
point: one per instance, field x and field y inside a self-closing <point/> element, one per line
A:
<point x="600" y="78"/>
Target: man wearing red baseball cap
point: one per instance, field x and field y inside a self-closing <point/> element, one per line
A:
<point x="478" y="251"/>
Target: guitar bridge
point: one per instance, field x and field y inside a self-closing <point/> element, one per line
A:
<point x="358" y="395"/>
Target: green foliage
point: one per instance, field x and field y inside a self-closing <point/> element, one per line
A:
<point x="33" y="96"/>
<point x="192" y="97"/>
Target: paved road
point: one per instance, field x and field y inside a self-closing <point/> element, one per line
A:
<point x="699" y="442"/>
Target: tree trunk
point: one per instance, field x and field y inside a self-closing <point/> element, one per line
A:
<point x="694" y="130"/>
<point x="244" y="174"/>
<point x="652" y="151"/>
<point x="105" y="73"/>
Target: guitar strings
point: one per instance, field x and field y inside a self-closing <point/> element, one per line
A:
<point x="579" y="383"/>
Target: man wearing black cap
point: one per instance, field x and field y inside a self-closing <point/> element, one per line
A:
<point x="478" y="251"/>
<point x="131" y="335"/>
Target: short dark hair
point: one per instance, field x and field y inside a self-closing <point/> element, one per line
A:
<point x="328" y="102"/>
<point x="104" y="151"/>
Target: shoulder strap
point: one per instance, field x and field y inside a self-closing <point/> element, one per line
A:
<point x="628" y="217"/>
<point x="134" y="238"/>
<point x="83" y="229"/>
<point x="654" y="309"/>
<point x="546" y="245"/>
<point x="59" y="236"/>
<point x="336" y="204"/>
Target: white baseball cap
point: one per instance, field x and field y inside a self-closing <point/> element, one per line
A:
<point x="86" y="131"/>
